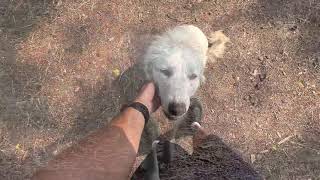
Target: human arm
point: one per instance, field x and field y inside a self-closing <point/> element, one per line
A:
<point x="108" y="153"/>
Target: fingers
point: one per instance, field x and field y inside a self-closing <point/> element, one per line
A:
<point x="148" y="97"/>
<point x="147" y="91"/>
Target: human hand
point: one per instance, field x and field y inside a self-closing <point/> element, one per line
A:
<point x="148" y="97"/>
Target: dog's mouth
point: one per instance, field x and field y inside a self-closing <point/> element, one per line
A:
<point x="171" y="117"/>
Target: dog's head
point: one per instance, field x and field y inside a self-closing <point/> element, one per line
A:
<point x="177" y="77"/>
<point x="175" y="62"/>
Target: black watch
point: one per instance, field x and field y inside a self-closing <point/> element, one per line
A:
<point x="139" y="107"/>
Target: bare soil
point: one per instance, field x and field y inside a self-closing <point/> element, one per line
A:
<point x="59" y="64"/>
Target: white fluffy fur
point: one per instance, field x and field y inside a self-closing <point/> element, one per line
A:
<point x="183" y="51"/>
<point x="185" y="35"/>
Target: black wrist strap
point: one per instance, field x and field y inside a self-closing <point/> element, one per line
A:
<point x="139" y="107"/>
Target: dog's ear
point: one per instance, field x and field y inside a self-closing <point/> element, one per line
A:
<point x="217" y="44"/>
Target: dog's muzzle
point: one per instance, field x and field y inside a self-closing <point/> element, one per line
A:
<point x="171" y="117"/>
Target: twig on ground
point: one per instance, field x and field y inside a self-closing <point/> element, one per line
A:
<point x="285" y="140"/>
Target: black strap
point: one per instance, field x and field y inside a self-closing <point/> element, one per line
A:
<point x="139" y="107"/>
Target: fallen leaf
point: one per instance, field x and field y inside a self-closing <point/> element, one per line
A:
<point x="18" y="147"/>
<point x="116" y="72"/>
<point x="301" y="84"/>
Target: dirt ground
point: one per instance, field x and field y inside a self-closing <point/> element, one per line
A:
<point x="62" y="63"/>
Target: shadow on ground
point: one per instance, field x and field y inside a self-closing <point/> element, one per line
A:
<point x="23" y="113"/>
<point x="212" y="159"/>
<point x="99" y="110"/>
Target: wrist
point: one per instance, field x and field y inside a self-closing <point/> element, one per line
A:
<point x="135" y="115"/>
<point x="140" y="108"/>
<point x="147" y="105"/>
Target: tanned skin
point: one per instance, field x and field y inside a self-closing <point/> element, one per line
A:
<point x="108" y="153"/>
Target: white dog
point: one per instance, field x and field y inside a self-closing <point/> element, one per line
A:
<point x="176" y="60"/>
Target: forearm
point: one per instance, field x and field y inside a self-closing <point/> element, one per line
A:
<point x="108" y="153"/>
<point x="132" y="124"/>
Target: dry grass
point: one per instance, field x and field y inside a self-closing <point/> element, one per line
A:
<point x="57" y="81"/>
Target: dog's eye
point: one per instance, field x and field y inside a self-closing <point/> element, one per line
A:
<point x="192" y="76"/>
<point x="166" y="72"/>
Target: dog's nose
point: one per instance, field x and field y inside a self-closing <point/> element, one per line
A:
<point x="177" y="109"/>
